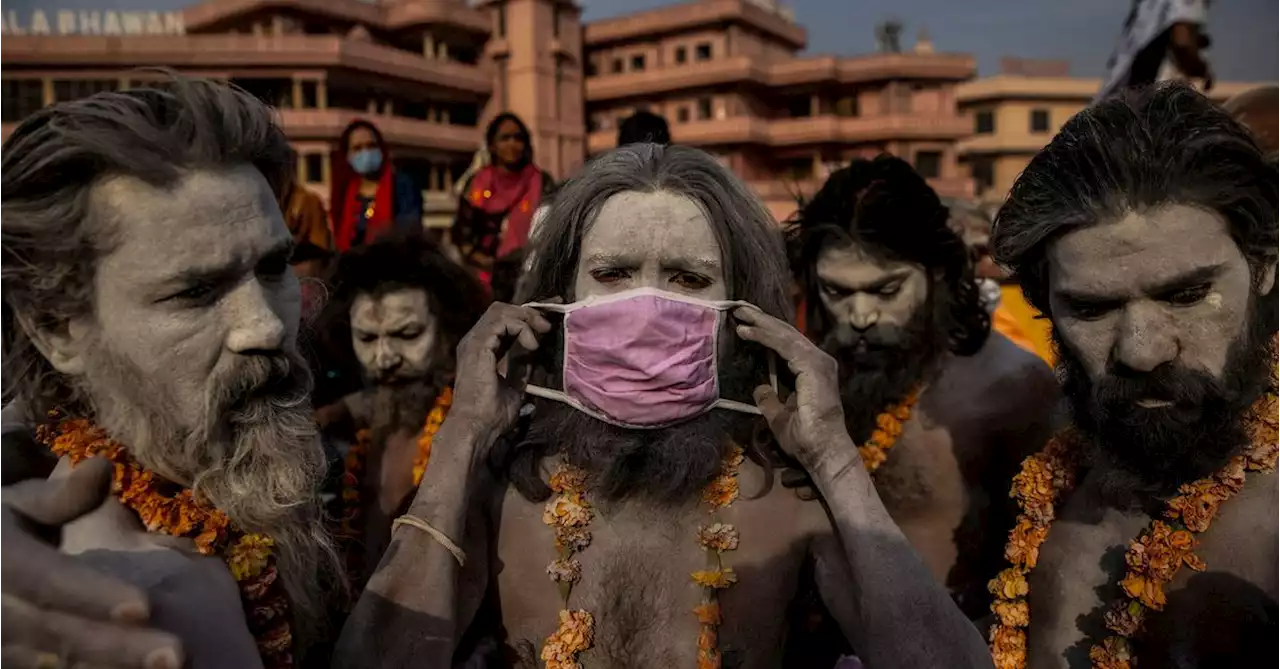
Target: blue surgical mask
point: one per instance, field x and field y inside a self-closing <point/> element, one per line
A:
<point x="366" y="161"/>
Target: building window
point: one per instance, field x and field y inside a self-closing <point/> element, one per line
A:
<point x="637" y="63"/>
<point x="314" y="167"/>
<point x="682" y="115"/>
<point x="309" y="95"/>
<point x="682" y="55"/>
<point x="591" y="68"/>
<point x="984" y="122"/>
<point x="704" y="109"/>
<point x="617" y="66"/>
<point x="984" y="174"/>
<point x="21" y="98"/>
<point x="847" y="106"/>
<point x="75" y="89"/>
<point x="1039" y="120"/>
<point x="702" y="51"/>
<point x="929" y="164"/>
<point x="799" y="107"/>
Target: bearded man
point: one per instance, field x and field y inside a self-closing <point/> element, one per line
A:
<point x="635" y="521"/>
<point x="398" y="308"/>
<point x="1146" y="230"/>
<point x="943" y="409"/>
<point x="151" y="318"/>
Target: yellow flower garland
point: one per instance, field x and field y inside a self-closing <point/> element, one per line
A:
<point x="569" y="513"/>
<point x="249" y="557"/>
<point x="1153" y="559"/>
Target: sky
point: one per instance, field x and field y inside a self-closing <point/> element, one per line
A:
<point x="1245" y="32"/>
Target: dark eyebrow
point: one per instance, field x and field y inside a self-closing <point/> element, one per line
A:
<point x="878" y="284"/>
<point x="1183" y="281"/>
<point x="196" y="275"/>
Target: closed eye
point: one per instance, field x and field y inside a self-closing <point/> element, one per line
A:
<point x="1089" y="311"/>
<point x="412" y="333"/>
<point x="834" y="291"/>
<point x="196" y="294"/>
<point x="889" y="290"/>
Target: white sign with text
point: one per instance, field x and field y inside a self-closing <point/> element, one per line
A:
<point x="91" y="22"/>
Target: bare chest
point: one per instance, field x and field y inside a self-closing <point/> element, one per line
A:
<point x="1209" y="616"/>
<point x="637" y="584"/>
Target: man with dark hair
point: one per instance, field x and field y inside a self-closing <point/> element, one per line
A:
<point x="150" y="318"/>
<point x="942" y="407"/>
<point x="397" y="310"/>
<point x="1146" y="230"/>
<point x="643" y="126"/>
<point x="629" y="517"/>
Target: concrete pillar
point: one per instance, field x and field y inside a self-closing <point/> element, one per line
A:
<point x="124" y="84"/>
<point x="47" y="91"/>
<point x="443" y="51"/>
<point x="325" y="173"/>
<point x="444" y="115"/>
<point x="300" y="170"/>
<point x="297" y="93"/>
<point x="428" y="46"/>
<point x="322" y="94"/>
<point x="372" y="107"/>
<point x="388" y="108"/>
<point x="277" y="26"/>
<point x="815" y="105"/>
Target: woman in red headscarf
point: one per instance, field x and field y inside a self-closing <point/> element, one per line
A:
<point x="498" y="200"/>
<point x="368" y="196"/>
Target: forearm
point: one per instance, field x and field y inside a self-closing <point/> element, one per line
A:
<point x="412" y="596"/>
<point x="905" y="618"/>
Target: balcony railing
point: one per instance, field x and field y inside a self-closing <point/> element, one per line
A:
<point x="230" y="51"/>
<point x="328" y="124"/>
<point x="803" y="131"/>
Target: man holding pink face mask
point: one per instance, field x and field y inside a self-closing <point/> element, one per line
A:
<point x="619" y="507"/>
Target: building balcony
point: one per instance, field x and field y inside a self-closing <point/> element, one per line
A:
<point x="997" y="144"/>
<point x="213" y="15"/>
<point x="685" y="17"/>
<point x="328" y="124"/>
<point x="792" y="132"/>
<point x="233" y="53"/>
<point x="798" y="72"/>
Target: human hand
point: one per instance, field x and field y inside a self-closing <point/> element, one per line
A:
<point x="810" y="424"/>
<point x="488" y="400"/>
<point x="58" y="611"/>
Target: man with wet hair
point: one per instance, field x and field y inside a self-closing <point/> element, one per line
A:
<point x="151" y="318"/>
<point x="1146" y="230"/>
<point x="942" y="408"/>
<point x="629" y="517"/>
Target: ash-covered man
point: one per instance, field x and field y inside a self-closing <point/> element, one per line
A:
<point x="1147" y="231"/>
<point x="398" y="308"/>
<point x="942" y="409"/>
<point x="149" y="303"/>
<point x="636" y="523"/>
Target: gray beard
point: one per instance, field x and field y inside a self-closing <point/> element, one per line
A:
<point x="400" y="408"/>
<point x="254" y="454"/>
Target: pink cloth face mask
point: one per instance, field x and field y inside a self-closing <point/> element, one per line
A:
<point x="642" y="358"/>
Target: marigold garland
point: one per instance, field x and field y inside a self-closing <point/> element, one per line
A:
<point x="1152" y="560"/>
<point x="351" y="529"/>
<point x="889" y="424"/>
<point x="569" y="514"/>
<point x="249" y="557"/>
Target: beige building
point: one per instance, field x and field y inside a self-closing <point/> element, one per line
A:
<point x="1014" y="114"/>
<point x="728" y="77"/>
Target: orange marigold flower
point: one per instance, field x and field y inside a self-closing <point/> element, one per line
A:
<point x="872" y="457"/>
<point x="1148" y="591"/>
<point x="708" y="613"/>
<point x="575" y="634"/>
<point x="1112" y="654"/>
<point x="249" y="555"/>
<point x="565" y="571"/>
<point x="1014" y="613"/>
<point x="568" y="478"/>
<point x="1125" y="618"/>
<point x="1025" y="539"/>
<point x="733" y="460"/>
<point x="1009" y="584"/>
<point x="715" y="578"/>
<point x="718" y="537"/>
<point x="572" y="538"/>
<point x="721" y="492"/>
<point x="1008" y="647"/>
<point x="707" y="640"/>
<point x="562" y="510"/>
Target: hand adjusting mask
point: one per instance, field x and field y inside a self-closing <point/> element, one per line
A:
<point x="641" y="359"/>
